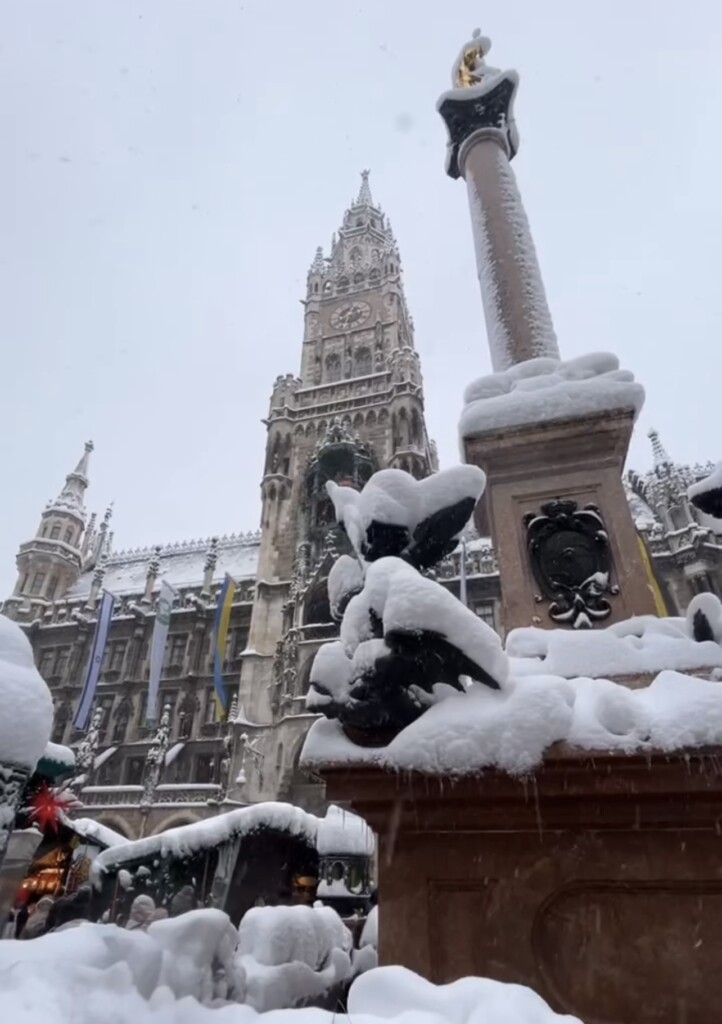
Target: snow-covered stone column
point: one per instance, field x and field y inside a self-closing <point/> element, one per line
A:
<point x="478" y="113"/>
<point x="26" y="719"/>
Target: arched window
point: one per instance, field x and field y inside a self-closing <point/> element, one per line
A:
<point x="333" y="368"/>
<point x="55" y="531"/>
<point x="363" y="362"/>
<point x="342" y="286"/>
<point x="358" y="277"/>
<point x="69" y="535"/>
<point x="328" y="288"/>
<point x="374" y="276"/>
<point x="317" y="608"/>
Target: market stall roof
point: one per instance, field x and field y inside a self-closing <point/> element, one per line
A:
<point x="95" y="832"/>
<point x="188" y="840"/>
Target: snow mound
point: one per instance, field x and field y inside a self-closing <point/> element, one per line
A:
<point x="644" y="644"/>
<point x="547" y="389"/>
<point x="26" y="707"/>
<point x="189" y="970"/>
<point x="69" y="971"/>
<point x="289" y="955"/>
<point x="511" y="729"/>
<point x="390" y="992"/>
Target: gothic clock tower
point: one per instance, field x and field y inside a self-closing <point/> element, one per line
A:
<point x="356" y="407"/>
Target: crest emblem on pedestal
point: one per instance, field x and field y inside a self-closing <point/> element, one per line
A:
<point x="569" y="553"/>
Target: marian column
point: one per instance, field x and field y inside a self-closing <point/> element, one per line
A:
<point x="551" y="436"/>
<point x="479" y="115"/>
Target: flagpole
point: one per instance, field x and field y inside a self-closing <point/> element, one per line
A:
<point x="462" y="575"/>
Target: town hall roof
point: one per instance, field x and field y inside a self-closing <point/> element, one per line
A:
<point x="181" y="565"/>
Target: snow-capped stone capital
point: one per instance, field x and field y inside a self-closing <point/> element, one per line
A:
<point x="480" y="102"/>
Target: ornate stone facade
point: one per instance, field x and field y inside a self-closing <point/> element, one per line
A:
<point x="356" y="406"/>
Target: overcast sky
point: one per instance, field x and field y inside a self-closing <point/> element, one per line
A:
<point x="170" y="166"/>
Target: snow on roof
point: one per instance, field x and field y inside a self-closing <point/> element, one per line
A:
<point x="26" y="707"/>
<point x="187" y="840"/>
<point x="95" y="832"/>
<point x="343" y="832"/>
<point x="547" y="390"/>
<point x="511" y="729"/>
<point x="644" y="644"/>
<point x="181" y="565"/>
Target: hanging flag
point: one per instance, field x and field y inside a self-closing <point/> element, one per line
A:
<point x="97" y="652"/>
<point x="653" y="581"/>
<point x="462" y="578"/>
<point x="220" y="629"/>
<point x="157" y="646"/>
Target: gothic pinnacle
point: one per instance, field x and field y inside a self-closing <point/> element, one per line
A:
<point x="364" y="193"/>
<point x="660" y="456"/>
<point x="317" y="265"/>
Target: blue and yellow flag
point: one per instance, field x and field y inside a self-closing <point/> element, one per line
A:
<point x="653" y="581"/>
<point x="220" y="630"/>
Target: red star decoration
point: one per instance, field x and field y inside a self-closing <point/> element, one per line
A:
<point x="48" y="805"/>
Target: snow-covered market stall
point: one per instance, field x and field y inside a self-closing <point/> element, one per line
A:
<point x="262" y="855"/>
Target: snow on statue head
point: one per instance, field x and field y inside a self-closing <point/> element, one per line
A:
<point x="401" y="635"/>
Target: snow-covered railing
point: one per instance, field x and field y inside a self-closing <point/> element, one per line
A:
<point x="168" y="793"/>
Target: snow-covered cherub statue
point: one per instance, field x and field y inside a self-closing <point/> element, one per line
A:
<point x="402" y="635"/>
<point x="470" y="66"/>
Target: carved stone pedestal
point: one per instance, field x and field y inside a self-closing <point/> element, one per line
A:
<point x="598" y="883"/>
<point x="579" y="460"/>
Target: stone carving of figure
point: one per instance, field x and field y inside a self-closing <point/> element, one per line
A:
<point x="317" y="370"/>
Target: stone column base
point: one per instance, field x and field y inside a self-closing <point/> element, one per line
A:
<point x="597" y="883"/>
<point x="578" y="459"/>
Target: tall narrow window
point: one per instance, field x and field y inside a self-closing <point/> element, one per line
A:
<point x="47" y="660"/>
<point x="363" y="362"/>
<point x="37" y="585"/>
<point x="55" y="531"/>
<point x="69" y="535"/>
<point x="62" y="660"/>
<point x="177" y="650"/>
<point x="333" y="368"/>
<point x="52" y="587"/>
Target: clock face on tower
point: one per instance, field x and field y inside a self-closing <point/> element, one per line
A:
<point x="351" y="314"/>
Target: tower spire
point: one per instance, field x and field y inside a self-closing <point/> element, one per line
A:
<point x="364" y="197"/>
<point x="660" y="454"/>
<point x="71" y="498"/>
